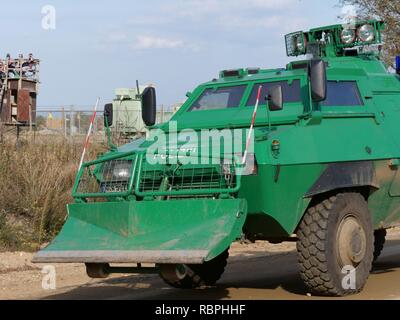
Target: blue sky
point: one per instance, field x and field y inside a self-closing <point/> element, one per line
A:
<point x="98" y="46"/>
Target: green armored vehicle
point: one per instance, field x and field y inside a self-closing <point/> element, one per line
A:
<point x="323" y="170"/>
<point x="126" y="109"/>
<point x="126" y="113"/>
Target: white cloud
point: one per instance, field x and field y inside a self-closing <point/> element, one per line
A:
<point x="349" y="14"/>
<point x="198" y="18"/>
<point x="228" y="14"/>
<point x="199" y="8"/>
<point x="150" y="42"/>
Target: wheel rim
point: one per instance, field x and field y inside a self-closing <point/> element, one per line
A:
<point x="180" y="271"/>
<point x="351" y="242"/>
<point x="173" y="272"/>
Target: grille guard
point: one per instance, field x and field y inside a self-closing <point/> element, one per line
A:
<point x="193" y="179"/>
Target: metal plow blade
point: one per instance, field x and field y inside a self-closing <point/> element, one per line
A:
<point x="174" y="231"/>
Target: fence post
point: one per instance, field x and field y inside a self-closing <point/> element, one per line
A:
<point x="78" y="115"/>
<point x="63" y="122"/>
<point x="71" y="121"/>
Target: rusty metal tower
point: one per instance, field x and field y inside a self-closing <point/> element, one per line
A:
<point x="19" y="85"/>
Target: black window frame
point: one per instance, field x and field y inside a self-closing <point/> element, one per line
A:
<point x="358" y="100"/>
<point x="297" y="98"/>
<point x="214" y="89"/>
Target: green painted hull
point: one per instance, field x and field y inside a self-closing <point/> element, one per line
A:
<point x="304" y="152"/>
<point x="180" y="231"/>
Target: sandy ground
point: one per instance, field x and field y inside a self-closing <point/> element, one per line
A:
<point x="254" y="271"/>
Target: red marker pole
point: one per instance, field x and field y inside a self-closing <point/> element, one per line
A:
<point x="253" y="119"/>
<point x="86" y="144"/>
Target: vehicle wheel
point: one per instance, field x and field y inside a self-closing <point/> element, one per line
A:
<point x="97" y="270"/>
<point x="334" y="236"/>
<point x="380" y="237"/>
<point x="194" y="275"/>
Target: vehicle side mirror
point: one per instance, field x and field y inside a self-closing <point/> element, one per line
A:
<point x="275" y="98"/>
<point x="149" y="106"/>
<point x="318" y="81"/>
<point x="108" y="115"/>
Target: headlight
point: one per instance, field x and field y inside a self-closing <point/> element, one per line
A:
<point x="366" y="33"/>
<point x="117" y="170"/>
<point x="122" y="171"/>
<point x="348" y="36"/>
<point x="295" y="43"/>
<point x="299" y="43"/>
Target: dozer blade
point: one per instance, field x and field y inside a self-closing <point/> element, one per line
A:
<point x="174" y="231"/>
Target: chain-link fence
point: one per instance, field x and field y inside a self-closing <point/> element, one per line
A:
<point x="68" y="121"/>
<point x="75" y="120"/>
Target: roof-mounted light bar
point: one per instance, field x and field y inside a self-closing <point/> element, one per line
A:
<point x="361" y="34"/>
<point x="341" y="36"/>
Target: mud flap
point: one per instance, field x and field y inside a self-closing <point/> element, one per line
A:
<point x="174" y="231"/>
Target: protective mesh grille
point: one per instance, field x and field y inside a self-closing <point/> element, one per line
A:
<point x="106" y="177"/>
<point x="178" y="178"/>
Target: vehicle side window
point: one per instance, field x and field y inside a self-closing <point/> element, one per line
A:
<point x="219" y="98"/>
<point x="342" y="93"/>
<point x="291" y="92"/>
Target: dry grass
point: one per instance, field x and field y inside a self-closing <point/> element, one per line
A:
<point x="36" y="182"/>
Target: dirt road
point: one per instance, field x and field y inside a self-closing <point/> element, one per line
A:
<point x="258" y="271"/>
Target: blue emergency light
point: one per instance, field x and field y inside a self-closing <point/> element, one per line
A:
<point x="398" y="64"/>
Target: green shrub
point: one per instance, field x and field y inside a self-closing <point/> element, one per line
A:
<point x="36" y="182"/>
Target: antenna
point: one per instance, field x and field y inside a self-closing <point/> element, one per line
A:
<point x="137" y="87"/>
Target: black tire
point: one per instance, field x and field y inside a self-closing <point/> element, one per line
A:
<point x="194" y="275"/>
<point x="335" y="233"/>
<point x="97" y="270"/>
<point x="379" y="242"/>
